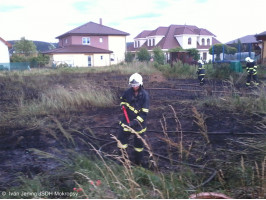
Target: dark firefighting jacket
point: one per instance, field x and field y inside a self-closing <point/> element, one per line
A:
<point x="137" y="108"/>
<point x="201" y="70"/>
<point x="251" y="68"/>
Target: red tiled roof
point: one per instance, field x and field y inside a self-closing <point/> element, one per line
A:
<point x="77" y="49"/>
<point x="143" y="34"/>
<point x="6" y="43"/>
<point x="184" y="30"/>
<point x="92" y="28"/>
<point x="169" y="40"/>
<point x="130" y="46"/>
<point x="202" y="31"/>
<point x="159" y="31"/>
<point x="215" y="41"/>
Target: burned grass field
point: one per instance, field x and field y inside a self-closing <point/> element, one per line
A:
<point x="209" y="138"/>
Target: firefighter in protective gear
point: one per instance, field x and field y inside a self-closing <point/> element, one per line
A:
<point x="201" y="72"/>
<point x="252" y="71"/>
<point x="136" y="101"/>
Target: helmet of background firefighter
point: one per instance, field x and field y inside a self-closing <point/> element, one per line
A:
<point x="135" y="80"/>
<point x="201" y="62"/>
<point x="248" y="59"/>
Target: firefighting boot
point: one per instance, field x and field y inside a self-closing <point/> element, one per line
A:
<point x="138" y="157"/>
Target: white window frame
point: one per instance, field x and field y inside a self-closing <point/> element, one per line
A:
<point x="100" y="39"/>
<point x="86" y="40"/>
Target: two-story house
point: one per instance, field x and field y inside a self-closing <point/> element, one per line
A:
<point x="4" y="53"/>
<point x="174" y="36"/>
<point x="91" y="44"/>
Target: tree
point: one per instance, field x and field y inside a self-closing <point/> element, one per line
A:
<point x="231" y="50"/>
<point x="158" y="55"/>
<point x="129" y="57"/>
<point x="39" y="61"/>
<point x="17" y="58"/>
<point x="217" y="49"/>
<point x="194" y="53"/>
<point x="177" y="49"/>
<point x="25" y="47"/>
<point x="143" y="55"/>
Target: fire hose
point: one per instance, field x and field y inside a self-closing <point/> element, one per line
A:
<point x="125" y="113"/>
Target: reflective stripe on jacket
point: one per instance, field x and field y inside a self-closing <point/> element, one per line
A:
<point x="201" y="70"/>
<point x="251" y="68"/>
<point x="137" y="107"/>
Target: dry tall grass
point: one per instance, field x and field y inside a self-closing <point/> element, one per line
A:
<point x="200" y="121"/>
<point x="58" y="99"/>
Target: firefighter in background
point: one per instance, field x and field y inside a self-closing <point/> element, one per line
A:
<point x="252" y="71"/>
<point x="201" y="72"/>
<point x="136" y="101"/>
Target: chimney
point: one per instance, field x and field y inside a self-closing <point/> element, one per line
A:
<point x="101" y="21"/>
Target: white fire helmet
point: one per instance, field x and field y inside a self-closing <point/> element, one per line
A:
<point x="135" y="80"/>
<point x="248" y="59"/>
<point x="201" y="62"/>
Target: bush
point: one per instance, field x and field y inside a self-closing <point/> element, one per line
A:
<point x="62" y="65"/>
<point x="163" y="68"/>
<point x="219" y="71"/>
<point x="129" y="57"/>
<point x="17" y="58"/>
<point x="143" y="55"/>
<point x="194" y="53"/>
<point x="39" y="61"/>
<point x="179" y="70"/>
<point x="158" y="55"/>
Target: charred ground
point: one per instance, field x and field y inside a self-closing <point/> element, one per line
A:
<point x="174" y="107"/>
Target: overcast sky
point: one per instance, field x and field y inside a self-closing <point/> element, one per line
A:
<point x="44" y="20"/>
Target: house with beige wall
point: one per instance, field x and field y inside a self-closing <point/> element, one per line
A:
<point x="88" y="45"/>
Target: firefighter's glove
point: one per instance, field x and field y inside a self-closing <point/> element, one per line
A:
<point x="133" y="123"/>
